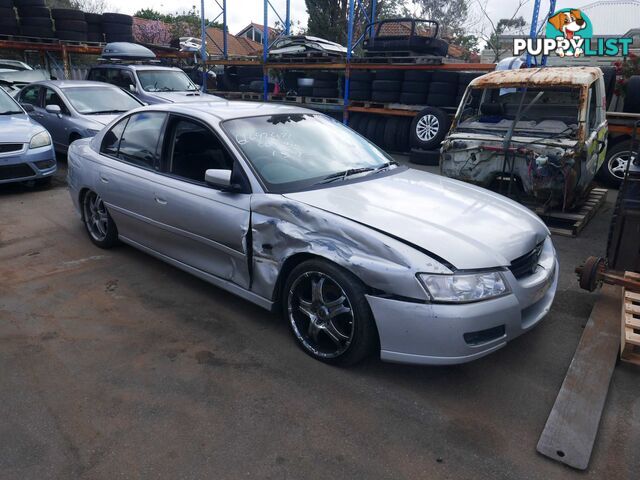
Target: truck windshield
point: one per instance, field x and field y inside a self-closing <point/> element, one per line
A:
<point x="544" y="111"/>
<point x="165" y="81"/>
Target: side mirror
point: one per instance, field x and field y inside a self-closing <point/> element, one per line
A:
<point x="28" y="107"/>
<point x="218" y="178"/>
<point x="54" y="109"/>
<point x="132" y="88"/>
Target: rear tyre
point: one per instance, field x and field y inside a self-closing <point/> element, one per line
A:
<point x="424" y="157"/>
<point x="100" y="226"/>
<point x="613" y="169"/>
<point x="428" y="128"/>
<point x="328" y="314"/>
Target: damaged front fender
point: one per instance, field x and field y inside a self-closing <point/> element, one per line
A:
<point x="282" y="228"/>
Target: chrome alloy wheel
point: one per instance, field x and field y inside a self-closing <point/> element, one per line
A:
<point x="321" y="314"/>
<point x="427" y="127"/>
<point x="96" y="217"/>
<point x="617" y="164"/>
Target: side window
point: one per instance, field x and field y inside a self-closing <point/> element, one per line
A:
<point x="111" y="139"/>
<point x="193" y="150"/>
<point x="30" y="95"/>
<point x="52" y="98"/>
<point x="122" y="79"/>
<point x="593" y="110"/>
<point x="139" y="142"/>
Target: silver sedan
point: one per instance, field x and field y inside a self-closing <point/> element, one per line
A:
<point x="293" y="211"/>
<point x="73" y="109"/>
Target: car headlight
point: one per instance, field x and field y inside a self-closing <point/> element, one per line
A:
<point x="92" y="132"/>
<point x="464" y="287"/>
<point x="41" y="139"/>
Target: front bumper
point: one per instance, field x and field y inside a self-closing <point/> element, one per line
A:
<point x="22" y="165"/>
<point x="439" y="334"/>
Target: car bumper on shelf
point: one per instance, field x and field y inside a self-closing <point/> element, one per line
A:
<point x="441" y="334"/>
<point x="27" y="164"/>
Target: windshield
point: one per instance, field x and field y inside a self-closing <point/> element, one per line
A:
<point x="296" y="151"/>
<point x="99" y="99"/>
<point x="7" y="105"/>
<point x="165" y="81"/>
<point x="544" y="111"/>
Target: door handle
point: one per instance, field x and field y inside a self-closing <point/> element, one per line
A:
<point x="160" y="200"/>
<point x="104" y="179"/>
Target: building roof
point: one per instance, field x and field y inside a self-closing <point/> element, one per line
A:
<point x="557" y="76"/>
<point x="272" y="31"/>
<point x="235" y="45"/>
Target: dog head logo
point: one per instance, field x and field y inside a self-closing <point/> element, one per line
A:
<point x="570" y="27"/>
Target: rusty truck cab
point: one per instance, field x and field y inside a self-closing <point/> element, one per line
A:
<point x="536" y="133"/>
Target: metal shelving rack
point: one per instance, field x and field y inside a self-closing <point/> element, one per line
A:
<point x="534" y="31"/>
<point x="369" y="10"/>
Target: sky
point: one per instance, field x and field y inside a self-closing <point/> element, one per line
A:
<point x="241" y="12"/>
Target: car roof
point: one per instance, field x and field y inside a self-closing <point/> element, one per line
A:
<point x="550" y="76"/>
<point x="74" y="83"/>
<point x="128" y="66"/>
<point x="226" y="110"/>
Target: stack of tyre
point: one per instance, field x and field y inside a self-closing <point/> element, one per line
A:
<point x="415" y="87"/>
<point x="386" y="86"/>
<point x="464" y="79"/>
<point x="8" y="19"/>
<point x="94" y="27"/>
<point x="117" y="27"/>
<point x="70" y="24"/>
<point x="35" y="19"/>
<point x="325" y="84"/>
<point x="389" y="133"/>
<point x="360" y="85"/>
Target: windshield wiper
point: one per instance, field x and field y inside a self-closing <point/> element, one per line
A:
<point x="385" y="166"/>
<point x="344" y="174"/>
<point x="104" y="112"/>
<point x="11" y="112"/>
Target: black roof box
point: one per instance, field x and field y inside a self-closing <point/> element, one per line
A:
<point x="125" y="50"/>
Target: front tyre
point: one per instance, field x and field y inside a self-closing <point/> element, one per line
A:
<point x="99" y="224"/>
<point x="328" y="313"/>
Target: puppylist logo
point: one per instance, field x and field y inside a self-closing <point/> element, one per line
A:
<point x="568" y="33"/>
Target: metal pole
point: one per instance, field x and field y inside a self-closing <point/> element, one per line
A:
<point x="552" y="8"/>
<point x="265" y="51"/>
<point x="345" y="111"/>
<point x="373" y="17"/>
<point x="287" y="19"/>
<point x="534" y="27"/>
<point x="224" y="29"/>
<point x="203" y="47"/>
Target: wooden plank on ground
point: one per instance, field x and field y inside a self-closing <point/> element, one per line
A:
<point x="572" y="426"/>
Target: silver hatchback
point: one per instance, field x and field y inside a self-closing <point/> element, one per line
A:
<point x="293" y="211"/>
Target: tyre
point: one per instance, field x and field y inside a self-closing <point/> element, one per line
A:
<point x="325" y="83"/>
<point x="7" y="13"/>
<point x="325" y="92"/>
<point x="403" y="135"/>
<point x="117" y="29"/>
<point x="361" y="76"/>
<point x="438" y="47"/>
<point x="354" y="121"/>
<point x="36" y="22"/>
<point x="93" y="18"/>
<point x="464" y="78"/>
<point x="71" y="25"/>
<point x="421" y="76"/>
<point x="29" y="3"/>
<point x="115" y="18"/>
<point x="429" y="128"/>
<point x="441" y="88"/>
<point x="445" y="77"/>
<point x="424" y="157"/>
<point x="363" y="126"/>
<point x="95" y="37"/>
<point x="39" y="32"/>
<point x="391" y="133"/>
<point x="632" y="97"/>
<point x="324" y="76"/>
<point x="119" y="37"/>
<point x="360" y="95"/>
<point x="305" y="91"/>
<point x="437" y="100"/>
<point x="415" y="87"/>
<point x="9" y="30"/>
<point x="378" y="137"/>
<point x="359" y="85"/>
<point x="413" y="98"/>
<point x="372" y="127"/>
<point x="386" y="86"/>
<point x="32" y="12"/>
<point x="100" y="226"/>
<point x="385" y="97"/>
<point x="8" y="21"/>
<point x="71" y="36"/>
<point x="67" y="14"/>
<point x="43" y="182"/>
<point x="328" y="314"/>
<point x="6" y="4"/>
<point x="615" y="165"/>
<point x="609" y="77"/>
<point x="395" y="75"/>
